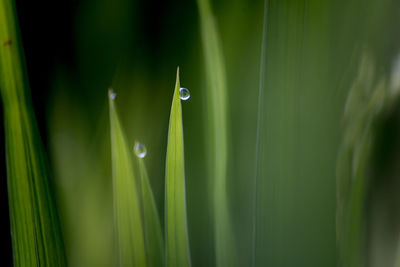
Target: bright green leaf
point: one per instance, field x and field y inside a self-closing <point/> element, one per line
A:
<point x="127" y="212"/>
<point x="36" y="232"/>
<point x="153" y="233"/>
<point x="177" y="243"/>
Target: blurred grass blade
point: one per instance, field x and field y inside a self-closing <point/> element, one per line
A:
<point x="154" y="240"/>
<point x="218" y="138"/>
<point x="36" y="233"/>
<point x="297" y="137"/>
<point x="177" y="241"/>
<point x="367" y="101"/>
<point x="127" y="213"/>
<point x="259" y="127"/>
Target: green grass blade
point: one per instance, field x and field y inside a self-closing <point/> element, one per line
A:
<point x="259" y="127"/>
<point x="218" y="138"/>
<point x="295" y="171"/>
<point x="153" y="233"/>
<point x="128" y="218"/>
<point x="177" y="241"/>
<point x="36" y="232"/>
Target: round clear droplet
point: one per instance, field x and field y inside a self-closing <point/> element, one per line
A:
<point x="111" y="93"/>
<point x="184" y="94"/>
<point x="140" y="150"/>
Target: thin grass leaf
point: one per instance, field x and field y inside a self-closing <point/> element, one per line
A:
<point x="131" y="246"/>
<point x="152" y="226"/>
<point x="176" y="230"/>
<point x="259" y="127"/>
<point x="218" y="138"/>
<point x="36" y="232"/>
<point x="296" y="137"/>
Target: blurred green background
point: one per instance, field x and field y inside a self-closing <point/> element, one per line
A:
<point x="76" y="50"/>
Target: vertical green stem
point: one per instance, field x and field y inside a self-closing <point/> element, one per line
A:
<point x="218" y="137"/>
<point x="36" y="231"/>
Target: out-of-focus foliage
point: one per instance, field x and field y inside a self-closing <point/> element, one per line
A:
<point x="217" y="136"/>
<point x="361" y="228"/>
<point x="297" y="138"/>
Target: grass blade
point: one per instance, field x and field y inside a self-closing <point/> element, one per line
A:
<point x="128" y="219"/>
<point x="298" y="134"/>
<point x="154" y="240"/>
<point x="259" y="127"/>
<point x="177" y="242"/>
<point x="217" y="115"/>
<point x="36" y="232"/>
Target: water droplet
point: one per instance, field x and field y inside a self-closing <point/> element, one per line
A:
<point x="111" y="93"/>
<point x="184" y="93"/>
<point x="140" y="150"/>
